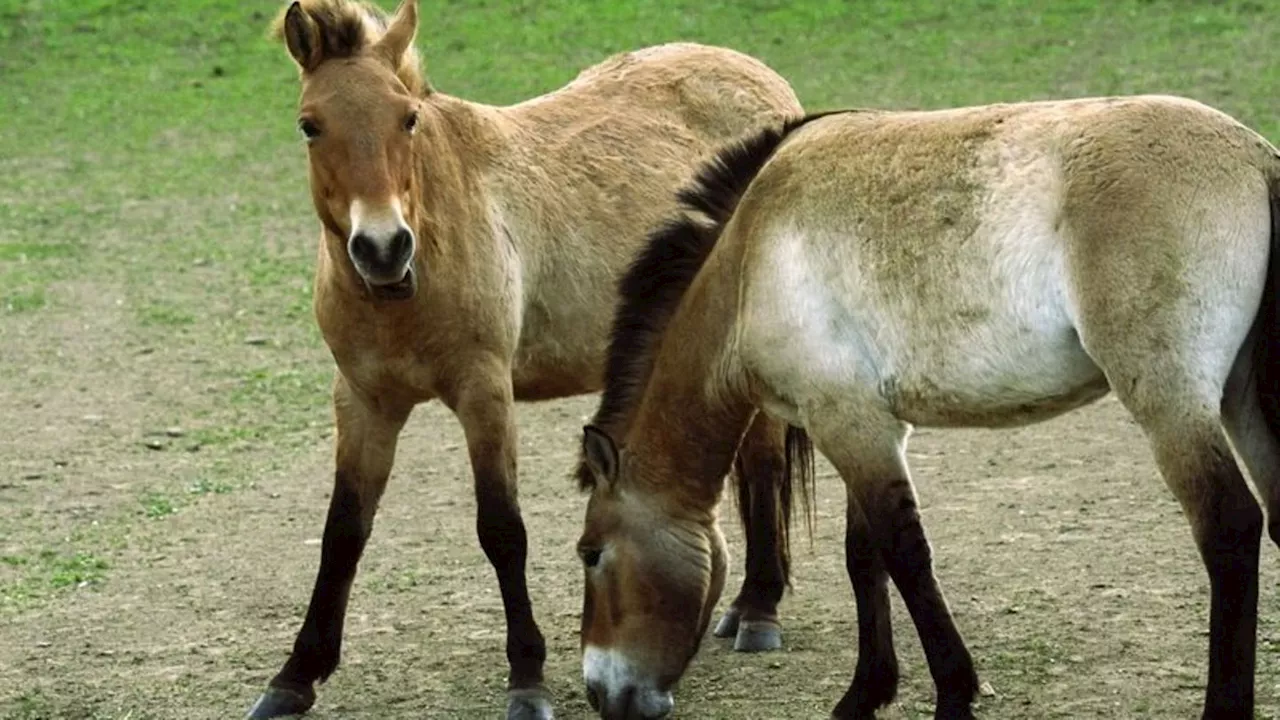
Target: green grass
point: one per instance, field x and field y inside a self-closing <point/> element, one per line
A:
<point x="160" y="313"/>
<point x="205" y="486"/>
<point x="28" y="579"/>
<point x="156" y="504"/>
<point x="23" y="300"/>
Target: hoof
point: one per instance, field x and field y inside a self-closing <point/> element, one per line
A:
<point x="279" y="702"/>
<point x="529" y="704"/>
<point x="758" y="636"/>
<point x="728" y="625"/>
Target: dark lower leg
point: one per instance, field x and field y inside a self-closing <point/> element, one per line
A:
<point x="317" y="648"/>
<point x="484" y="405"/>
<point x="1198" y="466"/>
<point x="752" y="617"/>
<point x="909" y="560"/>
<point x="1229" y="545"/>
<point x="764" y="579"/>
<point x="505" y="544"/>
<point x="875" y="681"/>
<point x="365" y="452"/>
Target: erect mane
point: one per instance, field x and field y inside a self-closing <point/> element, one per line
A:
<point x="347" y="28"/>
<point x="658" y="277"/>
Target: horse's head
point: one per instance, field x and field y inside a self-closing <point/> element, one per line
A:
<point x="653" y="576"/>
<point x="359" y="109"/>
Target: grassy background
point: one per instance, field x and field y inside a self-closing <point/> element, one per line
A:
<point x="156" y="238"/>
<point x="150" y="146"/>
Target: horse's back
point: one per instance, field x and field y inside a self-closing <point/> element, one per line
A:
<point x="596" y="167"/>
<point x="952" y="265"/>
<point x="699" y="92"/>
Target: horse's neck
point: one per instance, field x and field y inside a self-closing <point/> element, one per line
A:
<point x="687" y="446"/>
<point x="694" y="409"/>
<point x="453" y="158"/>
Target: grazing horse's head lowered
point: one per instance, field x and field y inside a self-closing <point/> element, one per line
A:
<point x="648" y="579"/>
<point x="359" y="110"/>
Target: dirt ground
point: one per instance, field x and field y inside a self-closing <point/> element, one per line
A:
<point x="1067" y="564"/>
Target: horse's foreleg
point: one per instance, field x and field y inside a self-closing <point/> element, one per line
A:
<point x="365" y="451"/>
<point x="875" y="681"/>
<point x="908" y="557"/>
<point x="868" y="450"/>
<point x="484" y="404"/>
<point x="752" y="617"/>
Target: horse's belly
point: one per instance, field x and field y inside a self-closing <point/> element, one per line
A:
<point x="949" y="357"/>
<point x="995" y="381"/>
<point x="545" y="377"/>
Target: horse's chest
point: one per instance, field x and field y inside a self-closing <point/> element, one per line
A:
<point x="403" y="376"/>
<point x="382" y="360"/>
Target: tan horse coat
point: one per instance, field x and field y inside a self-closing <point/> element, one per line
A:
<point x="988" y="266"/>
<point x="470" y="253"/>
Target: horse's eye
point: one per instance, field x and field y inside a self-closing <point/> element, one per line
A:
<point x="308" y="129"/>
<point x="411" y="122"/>
<point x="590" y="557"/>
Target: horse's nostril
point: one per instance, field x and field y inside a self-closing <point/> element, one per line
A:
<point x="593" y="698"/>
<point x="363" y="249"/>
<point x="401" y="244"/>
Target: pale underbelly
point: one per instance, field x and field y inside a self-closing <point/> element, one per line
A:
<point x="994" y="382"/>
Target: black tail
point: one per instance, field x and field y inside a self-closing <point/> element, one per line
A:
<point x="1266" y="347"/>
<point x="1266" y="350"/>
<point x="795" y="475"/>
<point x="798" y="476"/>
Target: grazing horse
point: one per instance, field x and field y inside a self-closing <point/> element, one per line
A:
<point x="470" y="253"/>
<point x="988" y="266"/>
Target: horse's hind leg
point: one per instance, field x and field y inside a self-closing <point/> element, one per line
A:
<point x="752" y="617"/>
<point x="483" y="400"/>
<point x="1166" y="269"/>
<point x="885" y="536"/>
<point x="365" y="452"/>
<point x="1172" y="382"/>
<point x="1195" y="459"/>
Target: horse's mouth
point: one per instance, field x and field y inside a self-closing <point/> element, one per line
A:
<point x="403" y="289"/>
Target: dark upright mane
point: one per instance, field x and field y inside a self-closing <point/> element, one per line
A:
<point x="657" y="278"/>
<point x="347" y="27"/>
<point x="341" y="25"/>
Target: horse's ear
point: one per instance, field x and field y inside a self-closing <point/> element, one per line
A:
<point x="400" y="33"/>
<point x="601" y="455"/>
<point x="301" y="36"/>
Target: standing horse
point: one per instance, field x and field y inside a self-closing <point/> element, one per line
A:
<point x="470" y="253"/>
<point x="990" y="266"/>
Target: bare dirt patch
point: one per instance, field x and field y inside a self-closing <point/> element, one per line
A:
<point x="1069" y="568"/>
